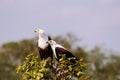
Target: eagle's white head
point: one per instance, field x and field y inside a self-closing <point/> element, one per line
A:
<point x="40" y="31"/>
<point x="51" y="42"/>
<point x="41" y="38"/>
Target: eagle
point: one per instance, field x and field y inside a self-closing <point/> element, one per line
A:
<point x="58" y="50"/>
<point x="44" y="49"/>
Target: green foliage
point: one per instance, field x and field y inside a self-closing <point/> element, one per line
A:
<point x="33" y="69"/>
<point x="104" y="67"/>
<point x="12" y="54"/>
<point x="71" y="69"/>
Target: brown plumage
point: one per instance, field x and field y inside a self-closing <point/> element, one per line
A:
<point x="46" y="52"/>
<point x="60" y="51"/>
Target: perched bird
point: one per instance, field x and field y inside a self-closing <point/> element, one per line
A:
<point x="45" y="49"/>
<point x="59" y="49"/>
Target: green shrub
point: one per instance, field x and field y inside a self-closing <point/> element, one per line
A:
<point x="34" y="69"/>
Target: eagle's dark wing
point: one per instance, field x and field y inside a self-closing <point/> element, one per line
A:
<point x="59" y="51"/>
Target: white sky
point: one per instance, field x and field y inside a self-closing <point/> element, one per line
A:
<point x="96" y="22"/>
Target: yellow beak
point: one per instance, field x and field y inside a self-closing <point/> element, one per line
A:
<point x="37" y="30"/>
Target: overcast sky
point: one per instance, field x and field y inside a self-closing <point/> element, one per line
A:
<point x="96" y="22"/>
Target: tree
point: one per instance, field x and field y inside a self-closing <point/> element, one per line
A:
<point x="103" y="67"/>
<point x="12" y="54"/>
<point x="33" y="69"/>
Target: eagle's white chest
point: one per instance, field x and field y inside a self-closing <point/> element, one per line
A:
<point x="42" y="43"/>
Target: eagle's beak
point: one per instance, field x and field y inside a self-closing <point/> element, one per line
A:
<point x="37" y="30"/>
